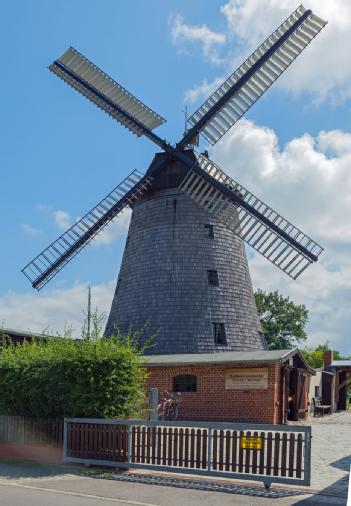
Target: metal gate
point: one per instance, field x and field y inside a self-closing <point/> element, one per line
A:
<point x="268" y="453"/>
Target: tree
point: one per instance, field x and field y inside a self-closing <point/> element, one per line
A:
<point x="60" y="376"/>
<point x="315" y="356"/>
<point x="283" y="321"/>
<point x="93" y="324"/>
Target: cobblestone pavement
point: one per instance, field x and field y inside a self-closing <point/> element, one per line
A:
<point x="331" y="452"/>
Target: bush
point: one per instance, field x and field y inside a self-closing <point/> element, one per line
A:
<point x="98" y="377"/>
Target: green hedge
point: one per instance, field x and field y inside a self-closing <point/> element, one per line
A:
<point x="78" y="378"/>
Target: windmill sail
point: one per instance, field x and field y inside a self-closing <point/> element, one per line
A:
<point x="50" y="261"/>
<point x="260" y="226"/>
<point x="94" y="84"/>
<point x="248" y="83"/>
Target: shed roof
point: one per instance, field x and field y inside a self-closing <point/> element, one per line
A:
<point x="20" y="333"/>
<point x="227" y="357"/>
<point x="219" y="358"/>
<point x="341" y="363"/>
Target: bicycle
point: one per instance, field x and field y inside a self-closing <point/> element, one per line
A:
<point x="167" y="409"/>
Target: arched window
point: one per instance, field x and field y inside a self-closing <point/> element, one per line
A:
<point x="184" y="383"/>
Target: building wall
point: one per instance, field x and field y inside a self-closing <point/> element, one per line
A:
<point x="212" y="402"/>
<point x="315" y="381"/>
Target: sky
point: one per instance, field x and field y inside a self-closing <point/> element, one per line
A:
<point x="60" y="154"/>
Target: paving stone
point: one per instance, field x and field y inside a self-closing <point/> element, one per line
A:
<point x="331" y="452"/>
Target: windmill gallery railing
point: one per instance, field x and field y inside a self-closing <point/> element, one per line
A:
<point x="268" y="453"/>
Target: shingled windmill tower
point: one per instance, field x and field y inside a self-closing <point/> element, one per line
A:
<point x="185" y="273"/>
<point x="184" y="269"/>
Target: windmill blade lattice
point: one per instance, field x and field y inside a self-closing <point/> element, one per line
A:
<point x="248" y="83"/>
<point x="76" y="70"/>
<point x="261" y="227"/>
<point x="258" y="225"/>
<point x="50" y="261"/>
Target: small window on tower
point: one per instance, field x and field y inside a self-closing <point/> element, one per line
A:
<point x="219" y="334"/>
<point x="209" y="230"/>
<point x="212" y="277"/>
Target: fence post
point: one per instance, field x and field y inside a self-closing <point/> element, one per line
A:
<point x="64" y="439"/>
<point x="209" y="449"/>
<point x="2" y="428"/>
<point x="153" y="397"/>
<point x="307" y="457"/>
<point x="129" y="444"/>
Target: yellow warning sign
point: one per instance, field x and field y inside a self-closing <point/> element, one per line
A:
<point x="251" y="442"/>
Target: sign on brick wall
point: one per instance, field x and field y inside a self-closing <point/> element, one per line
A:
<point x="246" y="379"/>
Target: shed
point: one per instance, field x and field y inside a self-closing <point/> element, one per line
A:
<point x="249" y="386"/>
<point x="341" y="369"/>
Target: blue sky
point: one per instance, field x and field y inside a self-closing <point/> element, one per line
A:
<point x="60" y="151"/>
<point x="61" y="154"/>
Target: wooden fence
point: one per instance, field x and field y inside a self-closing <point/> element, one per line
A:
<point x="31" y="431"/>
<point x="98" y="441"/>
<point x="268" y="453"/>
<point x="280" y="454"/>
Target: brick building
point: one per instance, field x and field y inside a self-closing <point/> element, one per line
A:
<point x="257" y="387"/>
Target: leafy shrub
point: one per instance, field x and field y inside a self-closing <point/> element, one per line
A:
<point x="96" y="377"/>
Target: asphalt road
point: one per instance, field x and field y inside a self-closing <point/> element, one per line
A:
<point x="79" y="491"/>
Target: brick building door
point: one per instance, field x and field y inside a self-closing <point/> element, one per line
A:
<point x="301" y="394"/>
<point x="296" y="387"/>
<point x="328" y="389"/>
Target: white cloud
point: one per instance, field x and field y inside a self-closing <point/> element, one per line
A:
<point x="182" y="35"/>
<point x="62" y="219"/>
<point x="324" y="69"/>
<point x="335" y="141"/>
<point x="202" y="91"/>
<point x="29" y="230"/>
<point x="52" y="309"/>
<point x="309" y="183"/>
<point x="117" y="228"/>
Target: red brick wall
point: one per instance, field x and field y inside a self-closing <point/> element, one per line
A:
<point x="212" y="402"/>
<point x="19" y="451"/>
<point x="328" y="357"/>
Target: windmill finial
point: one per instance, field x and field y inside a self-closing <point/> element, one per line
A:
<point x="195" y="140"/>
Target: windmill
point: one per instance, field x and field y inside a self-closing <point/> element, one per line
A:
<point x="184" y="268"/>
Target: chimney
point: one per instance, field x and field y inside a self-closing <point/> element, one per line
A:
<point x="328" y="357"/>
